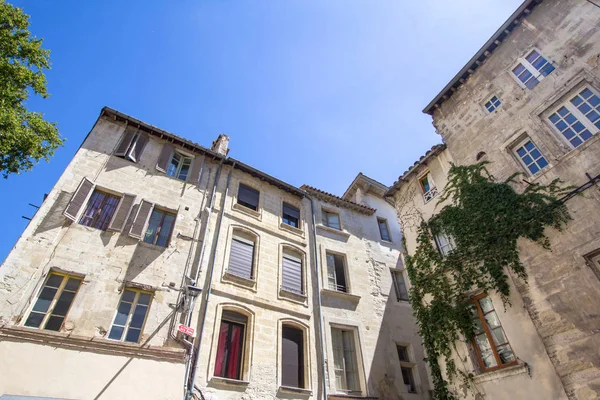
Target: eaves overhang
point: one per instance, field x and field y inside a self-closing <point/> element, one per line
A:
<point x="482" y="55"/>
<point x="434" y="151"/>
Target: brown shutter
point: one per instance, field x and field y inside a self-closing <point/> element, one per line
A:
<point x="128" y="136"/>
<point x="165" y="157"/>
<point x="122" y="212"/>
<point x="136" y="152"/>
<point x="85" y="188"/>
<point x="196" y="166"/>
<point x="141" y="219"/>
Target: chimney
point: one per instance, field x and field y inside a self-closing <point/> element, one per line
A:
<point x="221" y="145"/>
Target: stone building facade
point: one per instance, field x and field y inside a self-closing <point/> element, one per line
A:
<point x="146" y="231"/>
<point x="528" y="101"/>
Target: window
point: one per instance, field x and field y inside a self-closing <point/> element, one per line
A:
<point x="492" y="104"/>
<point x="248" y="197"/>
<point x="159" y="228"/>
<point x="383" y="229"/>
<point x="445" y="243"/>
<point x="399" y="285"/>
<point x="579" y="118"/>
<point x="100" y="210"/>
<point x="593" y="260"/>
<point x="131" y="316"/>
<point x="230" y="350"/>
<point x="132" y="145"/>
<point x="406" y="367"/>
<point x="345" y="360"/>
<point x="331" y="219"/>
<point x="490" y="342"/>
<point x="532" y="69"/>
<point x="428" y="187"/>
<point x="292" y="357"/>
<point x="529" y="155"/>
<point x="53" y="302"/>
<point x="241" y="257"/>
<point x="179" y="166"/>
<point x="291" y="268"/>
<point x="291" y="215"/>
<point x="336" y="273"/>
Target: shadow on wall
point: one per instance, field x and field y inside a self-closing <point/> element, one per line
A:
<point x="54" y="218"/>
<point x="385" y="377"/>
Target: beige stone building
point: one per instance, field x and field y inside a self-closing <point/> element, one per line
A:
<point x="529" y="101"/>
<point x="146" y="231"/>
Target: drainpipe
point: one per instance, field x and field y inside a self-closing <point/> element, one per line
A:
<point x="190" y="310"/>
<point x="321" y="323"/>
<point x="194" y="364"/>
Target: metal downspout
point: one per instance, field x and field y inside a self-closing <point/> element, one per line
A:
<point x="321" y="323"/>
<point x="211" y="268"/>
<point x="190" y="310"/>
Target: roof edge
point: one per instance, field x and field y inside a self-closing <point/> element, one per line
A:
<point x="337" y="200"/>
<point x="489" y="47"/>
<point x="434" y="151"/>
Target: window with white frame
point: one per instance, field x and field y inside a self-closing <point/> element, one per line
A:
<point x="492" y="104"/>
<point x="530" y="156"/>
<point x="131" y="316"/>
<point x="532" y="69"/>
<point x="406" y="367"/>
<point x="444" y="243"/>
<point x="399" y="285"/>
<point x="384" y="230"/>
<point x="179" y="166"/>
<point x="578" y="119"/>
<point x="336" y="273"/>
<point x="345" y="360"/>
<point x="331" y="219"/>
<point x="427" y="187"/>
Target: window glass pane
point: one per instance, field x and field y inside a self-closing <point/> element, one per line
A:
<point x="63" y="303"/>
<point x="185" y="168"/>
<point x="116" y="333"/>
<point x="485" y="349"/>
<point x="153" y="225"/>
<point x="139" y="315"/>
<point x="128" y="295"/>
<point x="425" y="184"/>
<point x="486" y="305"/>
<point x="122" y="313"/>
<point x="54" y="323"/>
<point x="174" y="165"/>
<point x="506" y="354"/>
<point x="498" y="336"/>
<point x="133" y="335"/>
<point x="570" y="127"/>
<point x="165" y="230"/>
<point x="34" y="320"/>
<point x="73" y="284"/>
<point x="144" y="298"/>
<point x="54" y="281"/>
<point x="45" y="299"/>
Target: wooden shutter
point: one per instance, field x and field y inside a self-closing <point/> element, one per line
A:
<point x="83" y="192"/>
<point x="292" y="357"/>
<point x="122" y="212"/>
<point x="194" y="176"/>
<point x="137" y="149"/>
<point x="241" y="258"/>
<point x="138" y="227"/>
<point x="292" y="274"/>
<point x="128" y="136"/>
<point x="165" y="157"/>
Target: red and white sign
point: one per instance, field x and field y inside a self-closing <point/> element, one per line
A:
<point x="186" y="329"/>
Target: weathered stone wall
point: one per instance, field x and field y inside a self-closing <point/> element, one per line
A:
<point x="535" y="376"/>
<point x="107" y="259"/>
<point x="371" y="307"/>
<point x="563" y="296"/>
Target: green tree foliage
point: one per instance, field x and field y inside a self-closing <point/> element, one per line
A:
<point x="25" y="137"/>
<point x="486" y="219"/>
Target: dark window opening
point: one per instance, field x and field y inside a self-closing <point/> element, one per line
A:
<point x="248" y="197"/>
<point x="291" y="215"/>
<point x="292" y="357"/>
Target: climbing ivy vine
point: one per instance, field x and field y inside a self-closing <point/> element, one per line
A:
<point x="485" y="218"/>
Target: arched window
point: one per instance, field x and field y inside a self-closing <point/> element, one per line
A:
<point x="229" y="362"/>
<point x="293" y="356"/>
<point x="292" y="272"/>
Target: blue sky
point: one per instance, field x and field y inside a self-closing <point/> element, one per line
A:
<point x="310" y="91"/>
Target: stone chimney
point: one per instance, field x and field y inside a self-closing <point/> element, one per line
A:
<point x="221" y="145"/>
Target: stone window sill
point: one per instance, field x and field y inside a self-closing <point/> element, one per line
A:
<point x="240" y="280"/>
<point x="293" y="297"/>
<point x="333" y="230"/>
<point x="294" y="390"/>
<point x="343" y="295"/>
<point x="228" y="381"/>
<point x="501" y="373"/>
<point x="296" y="231"/>
<point x="248" y="211"/>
